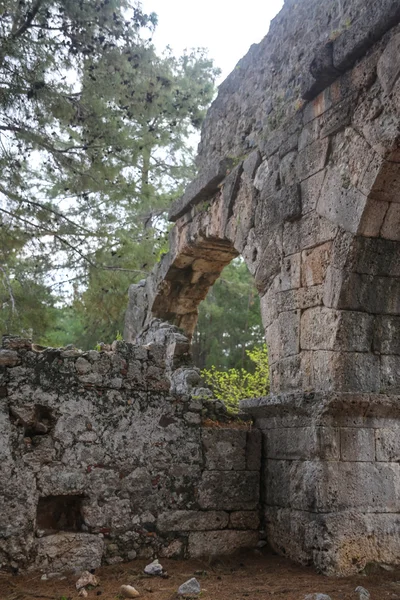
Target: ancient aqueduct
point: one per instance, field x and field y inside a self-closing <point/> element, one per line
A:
<point x="108" y="456"/>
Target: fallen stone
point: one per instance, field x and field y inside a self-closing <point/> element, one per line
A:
<point x="317" y="597"/>
<point x="190" y="589"/>
<point x="154" y="568"/>
<point x="86" y="579"/>
<point x="83" y="593"/>
<point x="128" y="591"/>
<point x="363" y="594"/>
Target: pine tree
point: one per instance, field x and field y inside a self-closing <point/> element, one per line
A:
<point x="94" y="128"/>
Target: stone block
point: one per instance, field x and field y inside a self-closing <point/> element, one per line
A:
<point x="371" y="24"/>
<point x="229" y="490"/>
<point x="309" y="231"/>
<point x="220" y="543"/>
<point x="310" y="191"/>
<point x="253" y="450"/>
<point x="390" y="374"/>
<point x="337" y="118"/>
<point x="388" y="64"/>
<point x="387" y="335"/>
<point x="302" y="443"/>
<point x="355" y="292"/>
<point x="287" y="374"/>
<point x="65" y="552"/>
<point x="391" y="225"/>
<point x="251" y="163"/>
<point x="289" y="333"/>
<point x="302" y="298"/>
<point x="327" y="329"/>
<point x="191" y="520"/>
<point x="312" y="159"/>
<point x="9" y="358"/>
<point x="388" y="443"/>
<point x="314" y="263"/>
<point x="373" y="218"/>
<point x="224" y="449"/>
<point x="357" y="444"/>
<point x="345" y="371"/>
<point x="201" y="189"/>
<point x="332" y="486"/>
<point x="340" y="202"/>
<point x="246" y="520"/>
<point x="290" y="273"/>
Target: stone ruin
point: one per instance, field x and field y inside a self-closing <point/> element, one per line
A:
<point x="111" y="455"/>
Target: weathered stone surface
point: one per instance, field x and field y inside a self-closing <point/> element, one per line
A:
<point x="121" y="456"/>
<point x="224" y="449"/>
<point x="186" y="520"/>
<point x="215" y="543"/>
<point x="244" y="520"/>
<point x="69" y="551"/>
<point x="201" y="189"/>
<point x="357" y="444"/>
<point x="8" y="358"/>
<point x="227" y="490"/>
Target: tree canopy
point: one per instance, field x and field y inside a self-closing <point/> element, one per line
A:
<point x="95" y="129"/>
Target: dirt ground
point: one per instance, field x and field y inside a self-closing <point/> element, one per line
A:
<point x="247" y="576"/>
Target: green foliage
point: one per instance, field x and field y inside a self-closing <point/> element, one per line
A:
<point x="229" y="321"/>
<point x="94" y="128"/>
<point x="234" y="385"/>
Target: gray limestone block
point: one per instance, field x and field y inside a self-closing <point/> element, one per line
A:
<point x="312" y="159"/>
<point x="309" y="231"/>
<point x="328" y="329"/>
<point x="390" y="374"/>
<point x="251" y="163"/>
<point x="229" y="490"/>
<point x="69" y="552"/>
<point x="302" y="443"/>
<point x="201" y="189"/>
<point x="371" y="24"/>
<point x="244" y="520"/>
<point x="224" y="449"/>
<point x="357" y="444"/>
<point x="387" y="335"/>
<point x="388" y="443"/>
<point x="220" y="543"/>
<point x="388" y="65"/>
<point x="190" y="520"/>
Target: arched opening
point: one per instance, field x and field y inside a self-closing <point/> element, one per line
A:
<point x="229" y="321"/>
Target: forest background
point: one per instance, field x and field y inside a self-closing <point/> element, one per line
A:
<point x="96" y="141"/>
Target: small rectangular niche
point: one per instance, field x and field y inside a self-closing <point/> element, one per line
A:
<point x="59" y="513"/>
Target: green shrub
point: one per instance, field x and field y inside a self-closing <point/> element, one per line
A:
<point x="236" y="384"/>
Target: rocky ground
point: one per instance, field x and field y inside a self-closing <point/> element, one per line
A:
<point x="247" y="576"/>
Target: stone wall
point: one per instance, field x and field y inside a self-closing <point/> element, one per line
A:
<point x="299" y="173"/>
<point x="331" y="478"/>
<point x="102" y="461"/>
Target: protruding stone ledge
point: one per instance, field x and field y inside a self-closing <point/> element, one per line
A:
<point x="201" y="189"/>
<point x="337" y="56"/>
<point x="321" y="406"/>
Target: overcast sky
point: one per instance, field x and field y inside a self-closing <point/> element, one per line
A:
<point x="226" y="28"/>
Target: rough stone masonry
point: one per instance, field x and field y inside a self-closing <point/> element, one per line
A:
<point x="105" y="456"/>
<point x="299" y="173"/>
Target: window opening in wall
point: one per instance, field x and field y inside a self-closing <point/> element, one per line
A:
<point x="59" y="513"/>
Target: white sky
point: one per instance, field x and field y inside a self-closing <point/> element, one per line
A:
<point x="227" y="28"/>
